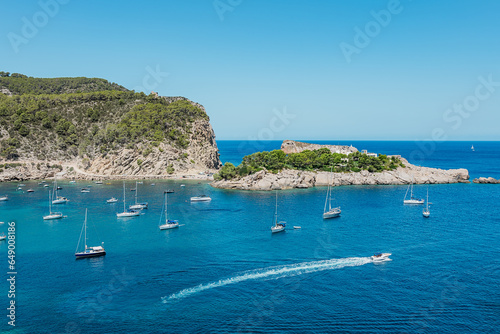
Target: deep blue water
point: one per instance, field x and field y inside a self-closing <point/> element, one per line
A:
<point x="224" y="272"/>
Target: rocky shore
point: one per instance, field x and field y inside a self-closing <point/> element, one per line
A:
<point x="288" y="179"/>
<point x="486" y="180"/>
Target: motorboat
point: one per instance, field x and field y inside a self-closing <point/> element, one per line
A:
<point x="112" y="200"/>
<point x="85" y="190"/>
<point x="3" y="236"/>
<point x="201" y="198"/>
<point x="4" y="198"/>
<point x="30" y="191"/>
<point x="379" y="257"/>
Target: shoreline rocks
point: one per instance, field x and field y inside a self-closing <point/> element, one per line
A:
<point x="486" y="180"/>
<point x="288" y="179"/>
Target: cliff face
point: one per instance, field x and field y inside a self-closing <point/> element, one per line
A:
<point x="84" y="132"/>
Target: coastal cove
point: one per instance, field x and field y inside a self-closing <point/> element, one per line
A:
<point x="225" y="261"/>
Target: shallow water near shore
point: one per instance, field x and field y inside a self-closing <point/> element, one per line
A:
<point x="223" y="270"/>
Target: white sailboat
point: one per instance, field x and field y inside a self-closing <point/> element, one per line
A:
<point x="332" y="212"/>
<point x="138" y="206"/>
<point x="278" y="227"/>
<point x="426" y="212"/>
<point x="472" y="147"/>
<point x="58" y="199"/>
<point x="169" y="223"/>
<point x="88" y="251"/>
<point x="412" y="200"/>
<point x="127" y="213"/>
<point x="52" y="215"/>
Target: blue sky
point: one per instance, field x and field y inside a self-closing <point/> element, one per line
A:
<point x="279" y="69"/>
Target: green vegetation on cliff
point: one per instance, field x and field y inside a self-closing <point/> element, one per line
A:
<point x="62" y="118"/>
<point x="322" y="159"/>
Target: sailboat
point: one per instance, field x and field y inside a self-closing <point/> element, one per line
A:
<point x="59" y="199"/>
<point x="138" y="206"/>
<point x="88" y="251"/>
<point x="52" y="215"/>
<point x="129" y="212"/>
<point x="169" y="223"/>
<point x="472" y="148"/>
<point x="412" y="199"/>
<point x="426" y="213"/>
<point x="278" y="227"/>
<point x="332" y="212"/>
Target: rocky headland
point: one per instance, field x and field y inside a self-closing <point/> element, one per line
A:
<point x="288" y="179"/>
<point x="88" y="128"/>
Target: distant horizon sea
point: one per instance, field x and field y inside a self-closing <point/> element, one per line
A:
<point x="223" y="271"/>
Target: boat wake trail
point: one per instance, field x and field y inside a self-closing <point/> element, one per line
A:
<point x="273" y="273"/>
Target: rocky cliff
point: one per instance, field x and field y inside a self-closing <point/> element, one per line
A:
<point x="93" y="129"/>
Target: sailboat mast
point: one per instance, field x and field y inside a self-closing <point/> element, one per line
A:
<point x="166" y="198"/>
<point x="85" y="223"/>
<point x="427" y="199"/>
<point x="276" y="210"/>
<point x="50" y="204"/>
<point x="123" y="196"/>
<point x="135" y="192"/>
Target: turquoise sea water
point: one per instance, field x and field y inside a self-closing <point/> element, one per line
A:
<point x="223" y="271"/>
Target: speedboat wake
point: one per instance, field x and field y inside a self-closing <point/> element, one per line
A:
<point x="273" y="273"/>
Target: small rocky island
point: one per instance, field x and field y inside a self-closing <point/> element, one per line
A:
<point x="351" y="168"/>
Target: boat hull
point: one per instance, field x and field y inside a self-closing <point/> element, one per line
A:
<point x="51" y="217"/>
<point x="413" y="201"/>
<point x="200" y="199"/>
<point x="426" y="214"/>
<point x="84" y="255"/>
<point x="381" y="257"/>
<point x="168" y="226"/>
<point x="60" y="201"/>
<point x="331" y="214"/>
<point x="127" y="214"/>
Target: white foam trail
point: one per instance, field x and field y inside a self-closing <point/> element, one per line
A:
<point x="274" y="272"/>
